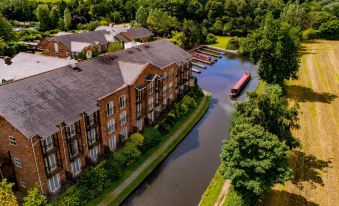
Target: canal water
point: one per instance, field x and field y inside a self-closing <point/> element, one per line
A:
<point x="182" y="177"/>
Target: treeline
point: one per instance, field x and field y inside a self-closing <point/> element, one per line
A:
<point x="188" y="21"/>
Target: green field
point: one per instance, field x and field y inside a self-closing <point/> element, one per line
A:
<point x="221" y="42"/>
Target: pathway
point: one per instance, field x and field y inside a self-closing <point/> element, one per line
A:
<point x="110" y="197"/>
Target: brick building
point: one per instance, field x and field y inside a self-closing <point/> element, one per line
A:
<point x="55" y="123"/>
<point x="89" y="43"/>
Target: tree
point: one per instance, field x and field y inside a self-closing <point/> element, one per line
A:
<point x="6" y="194"/>
<point x="141" y="16"/>
<point x="34" y="197"/>
<point x="3" y="47"/>
<point x="180" y="39"/>
<point x="295" y="15"/>
<point x="6" y="31"/>
<point x="274" y="47"/>
<point x="330" y="30"/>
<point x="271" y="111"/>
<point x="67" y="19"/>
<point x="160" y="22"/>
<point x="43" y="14"/>
<point x="254" y="160"/>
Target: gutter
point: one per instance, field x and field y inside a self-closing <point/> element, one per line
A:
<point x="36" y="164"/>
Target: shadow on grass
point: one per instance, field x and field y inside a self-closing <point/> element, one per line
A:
<point x="307" y="168"/>
<point x="291" y="199"/>
<point x="305" y="94"/>
<point x="303" y="51"/>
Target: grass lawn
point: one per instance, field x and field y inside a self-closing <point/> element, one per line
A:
<point x="212" y="192"/>
<point x="221" y="42"/>
<point x="120" y="197"/>
<point x="316" y="164"/>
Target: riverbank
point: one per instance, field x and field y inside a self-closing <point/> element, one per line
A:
<point x="151" y="159"/>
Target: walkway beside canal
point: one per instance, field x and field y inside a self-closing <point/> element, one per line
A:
<point x="159" y="153"/>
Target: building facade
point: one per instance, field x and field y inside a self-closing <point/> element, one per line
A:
<point x="54" y="124"/>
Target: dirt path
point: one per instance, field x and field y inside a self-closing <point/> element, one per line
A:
<point x="111" y="196"/>
<point x="223" y="194"/>
<point x="316" y="164"/>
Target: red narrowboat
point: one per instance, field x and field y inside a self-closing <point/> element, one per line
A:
<point x="240" y="84"/>
<point x="206" y="58"/>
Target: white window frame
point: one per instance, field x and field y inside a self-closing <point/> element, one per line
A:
<point x="123" y="118"/>
<point x="72" y="130"/>
<point x="124" y="132"/>
<point x="52" y="161"/>
<point x="49" y="144"/>
<point x="150" y="88"/>
<point x="111" y="126"/>
<point x="17" y="162"/>
<point x="112" y="142"/>
<point x="110" y="108"/>
<point x="91" y="136"/>
<point x="94" y="153"/>
<point x="54" y="183"/>
<point x="139" y="94"/>
<point x="150" y="103"/>
<point x="76" y="167"/>
<point x="139" y="124"/>
<point x="12" y="140"/>
<point x="123" y="101"/>
<point x="139" y="110"/>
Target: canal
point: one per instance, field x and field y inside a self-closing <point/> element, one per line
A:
<point x="182" y="177"/>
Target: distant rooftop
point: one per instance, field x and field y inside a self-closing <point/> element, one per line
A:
<point x="26" y="64"/>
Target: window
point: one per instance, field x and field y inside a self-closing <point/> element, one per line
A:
<point x="109" y="108"/>
<point x="151" y="116"/>
<point x="150" y="103"/>
<point x="51" y="162"/>
<point x="124" y="132"/>
<point x="122" y="101"/>
<point x="12" y="140"/>
<point x="138" y="95"/>
<point x="170" y="74"/>
<point x="164" y="90"/>
<point x="139" y="124"/>
<point x="89" y="54"/>
<point x="54" y="183"/>
<point x="18" y="162"/>
<point x="56" y="47"/>
<point x="94" y="153"/>
<point x="71" y="130"/>
<point x="157" y="98"/>
<point x="91" y="136"/>
<point x="139" y="110"/>
<point x="73" y="148"/>
<point x="165" y="77"/>
<point x="123" y="118"/>
<point x="111" y="126"/>
<point x="76" y="167"/>
<point x="170" y="87"/>
<point x="90" y="119"/>
<point x="150" y="88"/>
<point x="164" y="102"/>
<point x="48" y="143"/>
<point x="22" y="184"/>
<point x="112" y="143"/>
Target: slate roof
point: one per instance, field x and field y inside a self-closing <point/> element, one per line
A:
<point x="138" y="32"/>
<point x="92" y="37"/>
<point x="37" y="104"/>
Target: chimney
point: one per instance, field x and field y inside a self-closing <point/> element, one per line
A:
<point x="8" y="60"/>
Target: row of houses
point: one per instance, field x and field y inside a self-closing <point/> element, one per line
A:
<point x="55" y="122"/>
<point x="94" y="42"/>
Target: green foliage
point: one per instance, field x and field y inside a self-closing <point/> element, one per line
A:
<point x="137" y="139"/>
<point x="211" y="39"/>
<point x="233" y="43"/>
<point x="152" y="138"/>
<point x="254" y="160"/>
<point x="115" y="46"/>
<point x="48" y="19"/>
<point x="6" y="31"/>
<point x="295" y="15"/>
<point x="3" y="47"/>
<point x="34" y="197"/>
<point x="179" y="38"/>
<point x="319" y="17"/>
<point x="67" y="19"/>
<point x="6" y="194"/>
<point x="141" y="16"/>
<point x="310" y="34"/>
<point x="160" y="22"/>
<point x="329" y="30"/>
<point x="234" y="199"/>
<point x="275" y="47"/>
<point x="271" y="111"/>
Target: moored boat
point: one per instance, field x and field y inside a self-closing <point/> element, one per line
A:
<point x="240" y="84"/>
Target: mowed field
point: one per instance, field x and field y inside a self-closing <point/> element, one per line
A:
<point x="316" y="164"/>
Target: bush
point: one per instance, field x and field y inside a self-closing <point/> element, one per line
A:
<point x="330" y="30"/>
<point x="233" y="43"/>
<point x="93" y="180"/>
<point x="310" y="34"/>
<point x="211" y="39"/>
<point x="152" y="138"/>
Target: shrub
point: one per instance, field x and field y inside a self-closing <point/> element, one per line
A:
<point x="137" y="139"/>
<point x="330" y="30"/>
<point x="211" y="38"/>
<point x="152" y="138"/>
<point x="131" y="153"/>
<point x="310" y="34"/>
<point x="93" y="181"/>
<point x="233" y="43"/>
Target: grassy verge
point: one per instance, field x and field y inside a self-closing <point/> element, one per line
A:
<point x="261" y="86"/>
<point x="212" y="192"/>
<point x="233" y="199"/>
<point x="120" y="197"/>
<point x="221" y="42"/>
